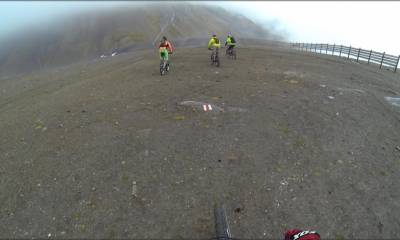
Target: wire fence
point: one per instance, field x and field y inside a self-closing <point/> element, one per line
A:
<point x="369" y="56"/>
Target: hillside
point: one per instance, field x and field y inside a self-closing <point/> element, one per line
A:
<point x="111" y="149"/>
<point x="89" y="34"/>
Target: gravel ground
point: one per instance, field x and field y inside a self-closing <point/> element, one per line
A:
<point x="294" y="140"/>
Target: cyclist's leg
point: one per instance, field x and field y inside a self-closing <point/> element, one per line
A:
<point x="167" y="59"/>
<point x="230" y="48"/>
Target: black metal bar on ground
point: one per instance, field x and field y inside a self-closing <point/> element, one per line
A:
<point x="358" y="54"/>
<point x="348" y="55"/>
<point x="383" y="56"/>
<point x="369" y="57"/>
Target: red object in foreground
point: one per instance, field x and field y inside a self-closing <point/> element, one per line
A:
<point x="297" y="234"/>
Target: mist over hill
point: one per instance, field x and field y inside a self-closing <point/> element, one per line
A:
<point x="88" y="34"/>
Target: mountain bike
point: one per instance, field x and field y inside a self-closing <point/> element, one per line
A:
<point x="222" y="229"/>
<point x="164" y="65"/>
<point x="231" y="53"/>
<point x="215" y="57"/>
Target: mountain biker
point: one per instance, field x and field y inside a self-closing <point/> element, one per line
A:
<point x="165" y="48"/>
<point x="297" y="234"/>
<point x="231" y="42"/>
<point x="214" y="44"/>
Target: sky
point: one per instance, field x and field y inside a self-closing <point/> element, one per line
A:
<point x="365" y="24"/>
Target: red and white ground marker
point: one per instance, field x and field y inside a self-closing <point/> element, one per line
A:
<point x="207" y="107"/>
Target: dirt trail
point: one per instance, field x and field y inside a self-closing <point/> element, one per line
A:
<point x="105" y="150"/>
<point x="167" y="24"/>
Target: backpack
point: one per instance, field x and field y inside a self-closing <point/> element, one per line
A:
<point x="216" y="40"/>
<point x="233" y="40"/>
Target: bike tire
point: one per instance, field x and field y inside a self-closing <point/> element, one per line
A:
<point x="163" y="68"/>
<point x="162" y="72"/>
<point x="222" y="230"/>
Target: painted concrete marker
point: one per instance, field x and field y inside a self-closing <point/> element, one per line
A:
<point x="204" y="107"/>
<point x="207" y="107"/>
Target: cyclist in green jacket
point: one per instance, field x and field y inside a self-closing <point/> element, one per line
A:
<point x="231" y="42"/>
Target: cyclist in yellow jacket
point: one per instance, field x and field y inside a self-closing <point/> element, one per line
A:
<point x="214" y="44"/>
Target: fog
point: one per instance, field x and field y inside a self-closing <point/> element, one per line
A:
<point x="370" y="25"/>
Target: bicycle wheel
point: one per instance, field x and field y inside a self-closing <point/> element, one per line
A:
<point x="221" y="224"/>
<point x="234" y="54"/>
<point x="162" y="67"/>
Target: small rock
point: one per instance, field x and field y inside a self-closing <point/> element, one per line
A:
<point x="123" y="162"/>
<point x="134" y="189"/>
<point x="179" y="117"/>
<point x="331" y="97"/>
<point x="340" y="161"/>
<point x="398" y="148"/>
<point x="337" y="114"/>
<point x="322" y="85"/>
<point x="49" y="235"/>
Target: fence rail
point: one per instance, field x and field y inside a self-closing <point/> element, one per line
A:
<point x="369" y="56"/>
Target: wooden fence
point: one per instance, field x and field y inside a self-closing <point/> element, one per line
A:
<point x="359" y="54"/>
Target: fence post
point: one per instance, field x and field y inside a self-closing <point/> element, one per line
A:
<point x="315" y="47"/>
<point x="326" y="50"/>
<point x="348" y="55"/>
<point x="358" y="54"/>
<point x="397" y="64"/>
<point x="369" y="57"/>
<point x="340" y="53"/>
<point x="333" y="51"/>
<point x="383" y="56"/>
